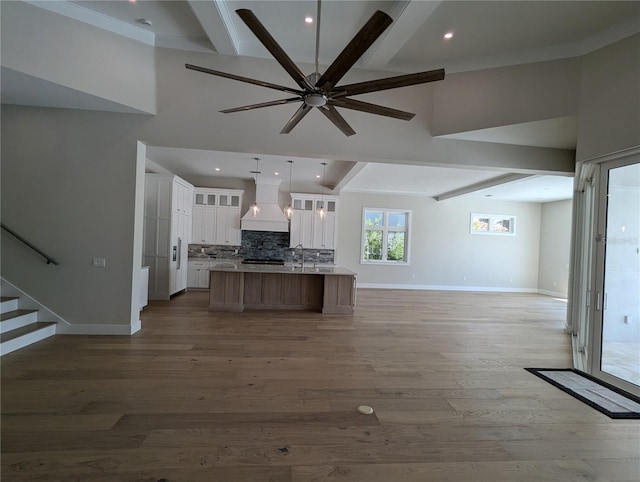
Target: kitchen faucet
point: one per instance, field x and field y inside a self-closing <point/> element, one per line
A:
<point x="302" y="257"/>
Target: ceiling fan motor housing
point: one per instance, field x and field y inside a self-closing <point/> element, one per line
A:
<point x="315" y="100"/>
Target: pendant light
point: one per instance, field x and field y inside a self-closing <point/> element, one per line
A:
<point x="255" y="209"/>
<point x="288" y="211"/>
<point x="322" y="212"/>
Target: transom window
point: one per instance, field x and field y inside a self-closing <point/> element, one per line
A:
<point x="385" y="236"/>
<point x="492" y="224"/>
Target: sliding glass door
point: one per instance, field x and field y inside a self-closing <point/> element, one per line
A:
<point x="615" y="321"/>
<point x="579" y="311"/>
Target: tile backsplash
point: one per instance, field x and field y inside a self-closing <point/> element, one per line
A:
<point x="261" y="245"/>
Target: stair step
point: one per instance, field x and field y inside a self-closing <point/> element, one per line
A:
<point x="12" y="320"/>
<point x="8" y="303"/>
<point x="15" y="313"/>
<point x="25" y="335"/>
<point x="24" y="330"/>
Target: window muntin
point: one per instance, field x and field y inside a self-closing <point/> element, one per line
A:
<point x="385" y="236"/>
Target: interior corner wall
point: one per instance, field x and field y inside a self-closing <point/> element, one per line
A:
<point x="609" y="119"/>
<point x="69" y="53"/>
<point x="555" y="244"/>
<point x="443" y="253"/>
<point x="69" y="187"/>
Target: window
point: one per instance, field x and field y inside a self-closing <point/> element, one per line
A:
<point x="492" y="224"/>
<point x="385" y="236"/>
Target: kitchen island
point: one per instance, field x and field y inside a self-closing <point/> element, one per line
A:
<point x="238" y="287"/>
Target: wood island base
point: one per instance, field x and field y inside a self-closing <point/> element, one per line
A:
<point x="298" y="290"/>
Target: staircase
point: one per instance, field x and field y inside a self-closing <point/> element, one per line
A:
<point x="20" y="327"/>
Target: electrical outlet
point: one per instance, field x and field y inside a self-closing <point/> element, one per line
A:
<point x="99" y="262"/>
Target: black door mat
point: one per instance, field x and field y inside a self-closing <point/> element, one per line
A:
<point x="605" y="398"/>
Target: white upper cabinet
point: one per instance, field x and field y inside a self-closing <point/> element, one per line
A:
<point x="216" y="216"/>
<point x="204" y="225"/>
<point x="181" y="197"/>
<point x="308" y="226"/>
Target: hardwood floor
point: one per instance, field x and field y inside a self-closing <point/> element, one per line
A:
<point x="272" y="396"/>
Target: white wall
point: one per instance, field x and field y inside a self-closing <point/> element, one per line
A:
<point x="69" y="187"/>
<point x="609" y="118"/>
<point x="74" y="55"/>
<point x="555" y="243"/>
<point x="444" y="255"/>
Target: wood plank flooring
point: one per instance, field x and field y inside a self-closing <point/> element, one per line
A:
<point x="272" y="396"/>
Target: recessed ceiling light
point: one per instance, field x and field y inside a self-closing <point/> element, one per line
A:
<point x="144" y="21"/>
<point x="317" y="176"/>
<point x="308" y="19"/>
<point x="277" y="173"/>
<point x="217" y="168"/>
<point x="448" y="35"/>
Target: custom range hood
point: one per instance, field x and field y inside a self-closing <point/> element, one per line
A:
<point x="270" y="216"/>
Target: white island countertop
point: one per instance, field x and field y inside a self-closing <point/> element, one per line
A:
<point x="287" y="269"/>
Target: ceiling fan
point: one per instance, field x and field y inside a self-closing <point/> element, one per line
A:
<point x="321" y="90"/>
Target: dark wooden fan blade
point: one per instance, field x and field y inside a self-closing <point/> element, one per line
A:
<point x="244" y="79"/>
<point x="371" y="108"/>
<point x="263" y="104"/>
<point x="272" y="46"/>
<point x="334" y="116"/>
<point x="354" y="50"/>
<point x="297" y="117"/>
<point x="388" y="83"/>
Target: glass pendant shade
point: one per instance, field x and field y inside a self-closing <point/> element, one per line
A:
<point x="255" y="209"/>
<point x="322" y="212"/>
<point x="288" y="211"/>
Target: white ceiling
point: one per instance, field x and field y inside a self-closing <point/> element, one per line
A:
<point x="486" y="34"/>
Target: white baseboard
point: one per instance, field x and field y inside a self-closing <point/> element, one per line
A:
<point x="555" y="294"/>
<point x="497" y="289"/>
<point x="91" y="329"/>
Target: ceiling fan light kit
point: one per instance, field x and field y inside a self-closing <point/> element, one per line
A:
<point x="321" y="90"/>
<point x="315" y="100"/>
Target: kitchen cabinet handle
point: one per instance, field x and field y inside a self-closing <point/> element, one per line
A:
<point x="179" y="251"/>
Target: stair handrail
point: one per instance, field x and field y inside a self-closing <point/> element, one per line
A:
<point x="49" y="259"/>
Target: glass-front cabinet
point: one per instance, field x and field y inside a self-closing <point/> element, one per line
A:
<point x="205" y="199"/>
<point x="230" y="200"/>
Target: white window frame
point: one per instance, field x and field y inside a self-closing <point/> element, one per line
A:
<point x="492" y="218"/>
<point x="385" y="230"/>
